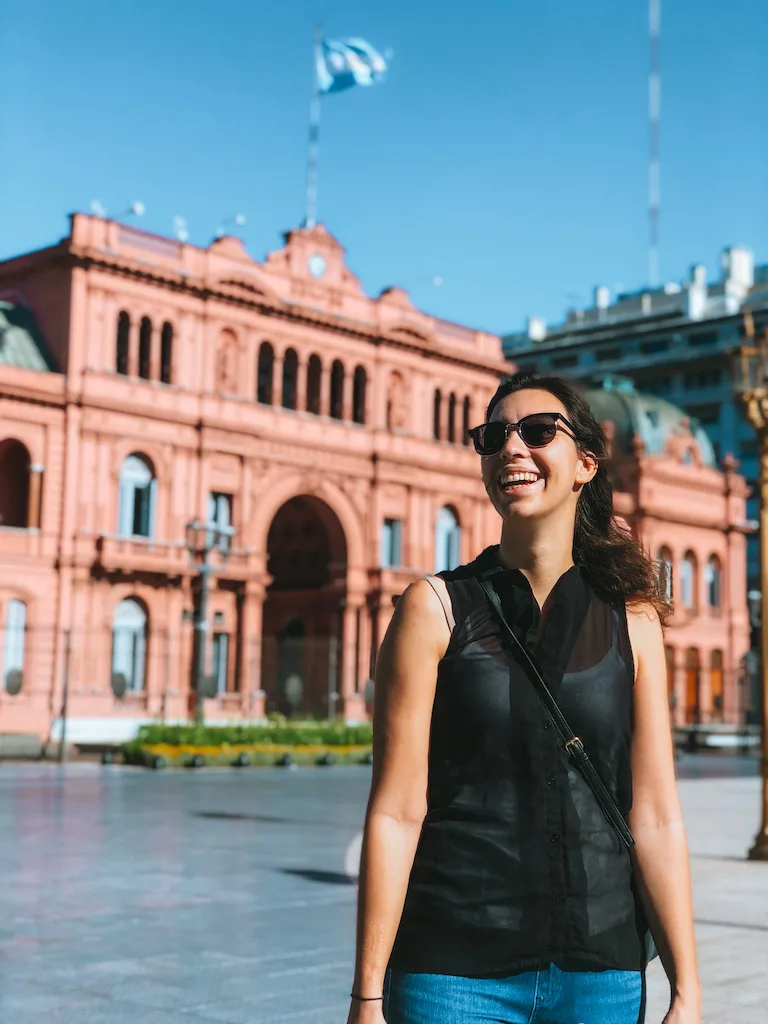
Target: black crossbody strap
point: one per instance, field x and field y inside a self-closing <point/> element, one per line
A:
<point x="572" y="743"/>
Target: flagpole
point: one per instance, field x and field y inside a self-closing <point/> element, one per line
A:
<point x="313" y="146"/>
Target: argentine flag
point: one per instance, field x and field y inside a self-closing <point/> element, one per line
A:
<point x="343" y="63"/>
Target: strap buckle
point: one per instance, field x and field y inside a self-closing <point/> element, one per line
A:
<point x="575" y="742"/>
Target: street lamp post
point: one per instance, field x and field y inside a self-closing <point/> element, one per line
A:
<point x="752" y="388"/>
<point x="203" y="539"/>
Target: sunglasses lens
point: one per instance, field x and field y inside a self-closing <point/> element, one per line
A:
<point x="537" y="431"/>
<point x="490" y="438"/>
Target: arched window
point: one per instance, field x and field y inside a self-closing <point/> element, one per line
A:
<point x="452" y="418"/>
<point x="166" y="353"/>
<point x="123" y="343"/>
<point x="129" y="644"/>
<point x="14" y="641"/>
<point x="669" y="658"/>
<point x="265" y="373"/>
<point x="145" y="347"/>
<point x="290" y="378"/>
<point x="688" y="581"/>
<point x="447" y="540"/>
<point x="436" y="414"/>
<point x="337" y="390"/>
<point x="359" y="388"/>
<point x="138" y="488"/>
<point x="714" y="581"/>
<point x="465" y="422"/>
<point x="14" y="484"/>
<point x="664" y="563"/>
<point x="717" y="689"/>
<point x="692" y="679"/>
<point x="314" y="384"/>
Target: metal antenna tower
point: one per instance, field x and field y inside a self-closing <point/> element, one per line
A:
<point x="654" y="162"/>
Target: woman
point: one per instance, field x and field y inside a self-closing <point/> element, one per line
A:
<point x="492" y="888"/>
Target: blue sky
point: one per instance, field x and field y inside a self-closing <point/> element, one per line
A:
<point x="506" y="152"/>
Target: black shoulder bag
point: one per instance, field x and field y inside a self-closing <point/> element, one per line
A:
<point x="573" y="746"/>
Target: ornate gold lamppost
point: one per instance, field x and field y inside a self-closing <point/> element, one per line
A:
<point x="752" y="388"/>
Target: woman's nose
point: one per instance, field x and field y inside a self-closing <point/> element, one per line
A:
<point x="514" y="444"/>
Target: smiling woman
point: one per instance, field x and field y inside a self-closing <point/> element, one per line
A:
<point x="495" y="861"/>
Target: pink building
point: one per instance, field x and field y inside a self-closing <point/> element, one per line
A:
<point x="145" y="383"/>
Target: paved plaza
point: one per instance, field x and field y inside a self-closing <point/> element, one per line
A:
<point x="220" y="896"/>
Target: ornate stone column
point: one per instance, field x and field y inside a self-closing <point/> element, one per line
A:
<point x="346" y="405"/>
<point x="277" y="380"/>
<point x="444" y="416"/>
<point x="353" y="701"/>
<point x="301" y="383"/>
<point x="253" y="697"/>
<point x="154" y="352"/>
<point x="325" y="389"/>
<point x="133" y="347"/>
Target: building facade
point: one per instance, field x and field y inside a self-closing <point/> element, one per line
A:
<point x="676" y="342"/>
<point x="173" y="383"/>
<point x="690" y="517"/>
<point x="146" y="383"/>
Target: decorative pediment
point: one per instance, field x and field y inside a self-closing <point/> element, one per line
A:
<point x="249" y="288"/>
<point x="410" y="333"/>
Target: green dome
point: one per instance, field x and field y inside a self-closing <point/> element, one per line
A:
<point x="651" y="419"/>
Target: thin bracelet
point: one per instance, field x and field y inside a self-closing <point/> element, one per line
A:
<point x="365" y="999"/>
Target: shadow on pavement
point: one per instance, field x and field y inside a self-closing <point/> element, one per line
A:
<point x="235" y="816"/>
<point x="325" y="877"/>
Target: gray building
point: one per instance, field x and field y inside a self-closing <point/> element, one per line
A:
<point x="676" y="342"/>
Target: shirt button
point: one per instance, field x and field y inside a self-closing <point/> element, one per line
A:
<point x="554" y="838"/>
<point x="559" y="898"/>
<point x="547" y="724"/>
<point x="551" y="780"/>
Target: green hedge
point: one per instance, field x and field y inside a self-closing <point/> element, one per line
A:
<point x="277" y="730"/>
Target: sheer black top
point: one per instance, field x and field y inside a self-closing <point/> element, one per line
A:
<point x="516" y="867"/>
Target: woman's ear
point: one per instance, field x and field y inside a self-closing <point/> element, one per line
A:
<point x="586" y="468"/>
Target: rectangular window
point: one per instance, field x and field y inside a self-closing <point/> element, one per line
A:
<point x="220" y="661"/>
<point x="220" y="514"/>
<point x="562" y="362"/>
<point x="707" y="415"/>
<point x="391" y="543"/>
<point x="651" y="348"/>
<point x="701" y="340"/>
<point x="604" y="355"/>
<point x="14" y="635"/>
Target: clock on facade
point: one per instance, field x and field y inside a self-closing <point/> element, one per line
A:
<point x="316" y="265"/>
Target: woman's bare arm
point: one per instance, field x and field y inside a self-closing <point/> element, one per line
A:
<point x="661" y="850"/>
<point x="406" y="674"/>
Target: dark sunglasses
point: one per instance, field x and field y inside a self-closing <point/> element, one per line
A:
<point x="536" y="431"/>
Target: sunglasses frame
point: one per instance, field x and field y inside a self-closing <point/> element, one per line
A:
<point x="510" y="428"/>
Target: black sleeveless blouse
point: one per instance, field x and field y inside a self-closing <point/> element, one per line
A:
<point x="516" y="867"/>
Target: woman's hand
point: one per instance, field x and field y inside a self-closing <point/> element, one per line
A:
<point x="684" y="1010"/>
<point x="369" y="1013"/>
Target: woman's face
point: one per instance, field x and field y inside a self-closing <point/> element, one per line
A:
<point x="534" y="482"/>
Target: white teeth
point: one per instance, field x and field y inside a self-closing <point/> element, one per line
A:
<point x="516" y="478"/>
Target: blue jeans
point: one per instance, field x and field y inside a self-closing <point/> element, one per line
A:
<point x="551" y="996"/>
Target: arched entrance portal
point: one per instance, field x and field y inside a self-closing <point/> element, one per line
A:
<point x="303" y="612"/>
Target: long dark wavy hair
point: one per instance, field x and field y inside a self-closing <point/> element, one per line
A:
<point x="619" y="567"/>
